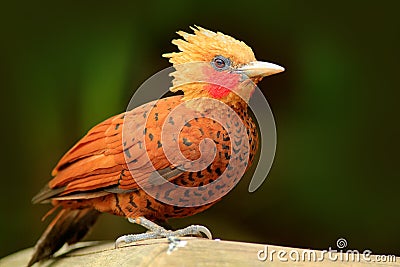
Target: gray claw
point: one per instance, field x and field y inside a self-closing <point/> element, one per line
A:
<point x="204" y="230"/>
<point x="197" y="230"/>
<point x="119" y="241"/>
<point x="133" y="238"/>
<point x="156" y="231"/>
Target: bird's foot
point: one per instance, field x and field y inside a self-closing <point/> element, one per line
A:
<point x="156" y="231"/>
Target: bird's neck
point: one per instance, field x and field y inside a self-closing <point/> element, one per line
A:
<point x="203" y="102"/>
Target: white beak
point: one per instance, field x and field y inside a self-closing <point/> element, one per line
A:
<point x="260" y="69"/>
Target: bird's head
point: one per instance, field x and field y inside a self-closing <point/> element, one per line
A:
<point x="216" y="65"/>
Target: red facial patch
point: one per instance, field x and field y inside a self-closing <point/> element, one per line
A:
<point x="220" y="83"/>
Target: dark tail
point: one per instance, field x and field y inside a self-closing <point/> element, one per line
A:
<point x="69" y="226"/>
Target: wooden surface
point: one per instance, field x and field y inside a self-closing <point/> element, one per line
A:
<point x="189" y="251"/>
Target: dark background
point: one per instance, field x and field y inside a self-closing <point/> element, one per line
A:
<point x="66" y="66"/>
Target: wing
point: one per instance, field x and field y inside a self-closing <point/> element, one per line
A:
<point x="103" y="160"/>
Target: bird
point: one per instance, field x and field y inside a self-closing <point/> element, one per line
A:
<point x="129" y="166"/>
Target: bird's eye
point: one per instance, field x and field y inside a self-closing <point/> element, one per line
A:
<point x="221" y="63"/>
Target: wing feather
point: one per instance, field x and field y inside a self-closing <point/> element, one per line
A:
<point x="103" y="161"/>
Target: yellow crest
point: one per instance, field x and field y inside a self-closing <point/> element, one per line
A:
<point x="204" y="45"/>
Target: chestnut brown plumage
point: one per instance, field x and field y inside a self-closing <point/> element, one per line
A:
<point x="94" y="176"/>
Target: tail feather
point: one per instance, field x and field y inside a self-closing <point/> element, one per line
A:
<point x="69" y="226"/>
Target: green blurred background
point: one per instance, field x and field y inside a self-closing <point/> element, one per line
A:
<point x="67" y="65"/>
